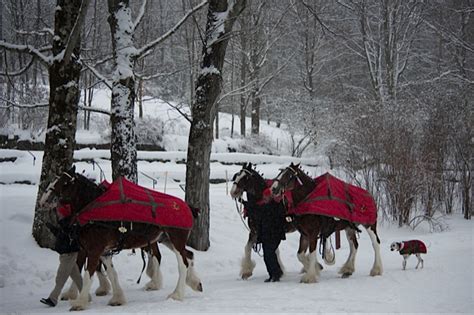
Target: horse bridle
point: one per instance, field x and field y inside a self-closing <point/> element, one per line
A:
<point x="237" y="177"/>
<point x="293" y="175"/>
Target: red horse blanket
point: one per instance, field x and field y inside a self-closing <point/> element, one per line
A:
<point x="335" y="198"/>
<point x="126" y="201"/>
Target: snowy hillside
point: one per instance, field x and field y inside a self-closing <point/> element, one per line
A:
<point x="444" y="285"/>
<point x="157" y="114"/>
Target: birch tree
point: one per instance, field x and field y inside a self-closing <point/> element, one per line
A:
<point x="123" y="141"/>
<point x="221" y="16"/>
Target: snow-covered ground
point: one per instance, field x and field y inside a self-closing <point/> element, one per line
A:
<point x="27" y="272"/>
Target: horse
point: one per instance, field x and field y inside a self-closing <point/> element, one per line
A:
<point x="252" y="182"/>
<point x="310" y="226"/>
<point x="97" y="238"/>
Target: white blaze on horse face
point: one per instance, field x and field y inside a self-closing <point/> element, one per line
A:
<point x="274" y="187"/>
<point x="47" y="193"/>
<point x="235" y="191"/>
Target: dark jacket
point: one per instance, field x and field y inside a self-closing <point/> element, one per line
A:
<point x="269" y="220"/>
<point x="66" y="236"/>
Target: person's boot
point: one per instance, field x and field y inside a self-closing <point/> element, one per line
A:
<point x="276" y="277"/>
<point x="48" y="302"/>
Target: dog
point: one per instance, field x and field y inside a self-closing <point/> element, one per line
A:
<point x="407" y="248"/>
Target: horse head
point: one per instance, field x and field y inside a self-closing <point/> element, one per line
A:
<point x="292" y="178"/>
<point x="72" y="189"/>
<point x="247" y="180"/>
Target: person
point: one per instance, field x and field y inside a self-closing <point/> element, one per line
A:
<point x="67" y="246"/>
<point x="270" y="221"/>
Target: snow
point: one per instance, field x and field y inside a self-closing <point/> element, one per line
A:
<point x="27" y="272"/>
<point x="210" y="70"/>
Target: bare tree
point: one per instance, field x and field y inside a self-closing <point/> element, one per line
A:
<point x="123" y="143"/>
<point x="64" y="70"/>
<point x="220" y="20"/>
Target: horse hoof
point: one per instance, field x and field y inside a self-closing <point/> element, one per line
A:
<point x="101" y="293"/>
<point x="320" y="266"/>
<point x="346" y="275"/>
<point x="115" y="303"/>
<point x="175" y="296"/>
<point x="76" y="308"/>
<point x="199" y="287"/>
<point x="305" y="279"/>
<point x="151" y="287"/>
<point x="246" y="275"/>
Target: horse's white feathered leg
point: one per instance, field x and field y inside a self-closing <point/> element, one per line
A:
<point x="304" y="260"/>
<point x="154" y="272"/>
<point x="247" y="265"/>
<point x="104" y="284"/>
<point x="192" y="280"/>
<point x="377" y="268"/>
<point x="82" y="301"/>
<point x="118" y="298"/>
<point x="349" y="266"/>
<point x="178" y="293"/>
<point x="71" y="293"/>
<point x="313" y="271"/>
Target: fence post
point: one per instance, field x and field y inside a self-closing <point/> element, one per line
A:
<point x="226" y="183"/>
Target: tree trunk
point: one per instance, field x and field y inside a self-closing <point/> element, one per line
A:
<point x="62" y="119"/>
<point x="256" y="101"/>
<point x="208" y="88"/>
<point x="243" y="73"/>
<point x="123" y="151"/>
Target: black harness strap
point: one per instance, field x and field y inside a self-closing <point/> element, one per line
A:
<point x="144" y="264"/>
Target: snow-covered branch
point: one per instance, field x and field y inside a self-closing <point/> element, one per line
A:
<point x="42" y="32"/>
<point x="170" y="32"/>
<point x="27" y="49"/>
<point x="98" y="75"/>
<point x="140" y="15"/>
<point x="11" y="104"/>
<point x="158" y="75"/>
<point x="76" y="31"/>
<point x="18" y="72"/>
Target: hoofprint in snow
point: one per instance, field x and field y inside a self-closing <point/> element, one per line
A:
<point x="444" y="285"/>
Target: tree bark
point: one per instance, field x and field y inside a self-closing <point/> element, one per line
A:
<point x="123" y="151"/>
<point x="208" y="88"/>
<point x="62" y="118"/>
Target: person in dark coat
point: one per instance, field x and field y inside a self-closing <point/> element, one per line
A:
<point x="270" y="222"/>
<point x="67" y="246"/>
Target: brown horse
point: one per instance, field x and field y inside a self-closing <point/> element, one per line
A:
<point x="98" y="237"/>
<point x="250" y="181"/>
<point x="311" y="226"/>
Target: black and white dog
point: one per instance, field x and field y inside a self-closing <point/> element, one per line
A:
<point x="407" y="248"/>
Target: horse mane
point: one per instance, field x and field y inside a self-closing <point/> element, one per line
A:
<point x="307" y="186"/>
<point x="88" y="190"/>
